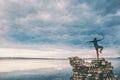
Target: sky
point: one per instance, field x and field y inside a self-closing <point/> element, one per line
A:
<point x="58" y="28"/>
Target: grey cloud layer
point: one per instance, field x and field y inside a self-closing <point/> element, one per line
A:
<point x="65" y="22"/>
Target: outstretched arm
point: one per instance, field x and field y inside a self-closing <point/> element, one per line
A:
<point x="100" y="39"/>
<point x="89" y="41"/>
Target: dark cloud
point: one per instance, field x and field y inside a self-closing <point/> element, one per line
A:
<point x="105" y="7"/>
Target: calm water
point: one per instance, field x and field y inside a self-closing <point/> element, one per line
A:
<point x="41" y="69"/>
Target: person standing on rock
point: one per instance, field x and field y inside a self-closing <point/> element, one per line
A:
<point x="97" y="47"/>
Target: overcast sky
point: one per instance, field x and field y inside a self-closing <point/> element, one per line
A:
<point x="59" y="26"/>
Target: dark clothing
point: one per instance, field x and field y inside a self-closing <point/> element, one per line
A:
<point x="95" y="43"/>
<point x="97" y="47"/>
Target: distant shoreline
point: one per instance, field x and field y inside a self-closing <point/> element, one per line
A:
<point x="24" y="58"/>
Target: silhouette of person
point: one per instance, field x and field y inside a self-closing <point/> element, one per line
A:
<point x="97" y="47"/>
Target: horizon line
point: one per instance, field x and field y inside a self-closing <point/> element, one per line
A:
<point x="27" y="58"/>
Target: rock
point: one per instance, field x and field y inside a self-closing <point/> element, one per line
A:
<point x="94" y="70"/>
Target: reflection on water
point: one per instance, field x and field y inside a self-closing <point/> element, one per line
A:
<point x="40" y="69"/>
<point x="13" y="65"/>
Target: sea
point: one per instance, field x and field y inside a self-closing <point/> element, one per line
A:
<point x="41" y="69"/>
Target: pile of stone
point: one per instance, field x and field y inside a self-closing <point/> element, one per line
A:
<point x="94" y="70"/>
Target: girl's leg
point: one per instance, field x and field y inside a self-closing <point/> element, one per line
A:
<point x="101" y="48"/>
<point x="97" y="52"/>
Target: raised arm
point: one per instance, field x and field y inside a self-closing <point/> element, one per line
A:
<point x="100" y="39"/>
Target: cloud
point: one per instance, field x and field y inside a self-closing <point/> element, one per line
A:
<point x="55" y="52"/>
<point x="59" y="22"/>
<point x="105" y="7"/>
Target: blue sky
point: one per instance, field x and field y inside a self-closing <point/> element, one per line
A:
<point x="59" y="24"/>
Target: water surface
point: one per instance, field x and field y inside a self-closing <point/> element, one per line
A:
<point x="41" y="69"/>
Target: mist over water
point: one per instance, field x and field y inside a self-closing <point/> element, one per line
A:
<point x="41" y="69"/>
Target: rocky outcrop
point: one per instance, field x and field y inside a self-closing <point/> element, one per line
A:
<point x="94" y="70"/>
